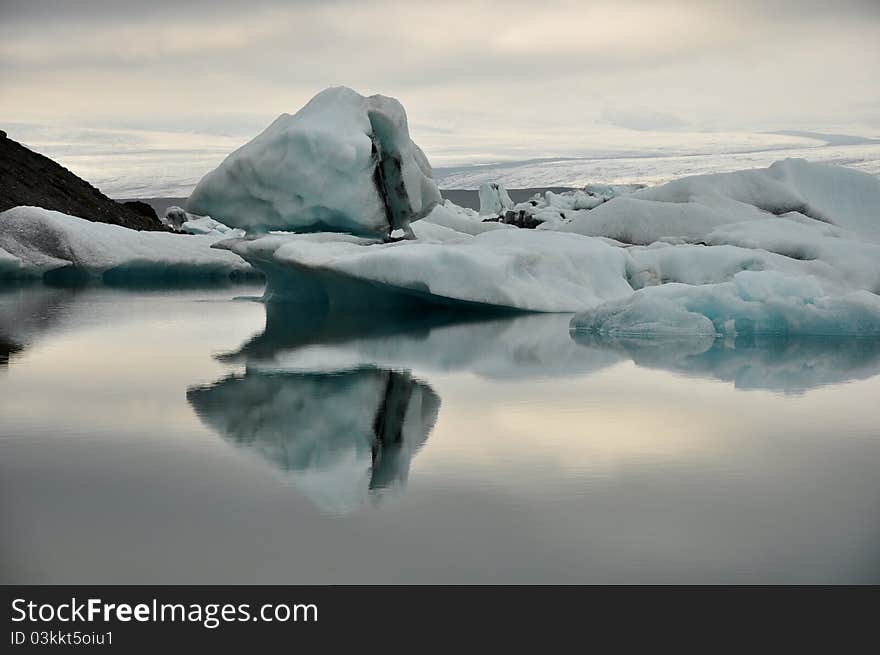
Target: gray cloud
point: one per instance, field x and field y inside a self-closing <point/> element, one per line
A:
<point x="499" y="65"/>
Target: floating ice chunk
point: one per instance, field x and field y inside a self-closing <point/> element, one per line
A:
<point x="494" y="199"/>
<point x="753" y="303"/>
<point x="691" y="207"/>
<point x="757" y="188"/>
<point x="608" y="191"/>
<point x="341" y="163"/>
<point x="183" y="221"/>
<point x="459" y="219"/>
<point x="630" y="219"/>
<point x="207" y="225"/>
<point x="176" y="216"/>
<point x="519" y="269"/>
<point x="837" y="254"/>
<point x="571" y="200"/>
<point x="47" y="242"/>
<point x="845" y="196"/>
<point x="341" y="438"/>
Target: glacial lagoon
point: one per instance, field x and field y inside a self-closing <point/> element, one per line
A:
<point x="196" y="435"/>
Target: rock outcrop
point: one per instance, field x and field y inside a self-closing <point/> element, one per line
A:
<point x="29" y="178"/>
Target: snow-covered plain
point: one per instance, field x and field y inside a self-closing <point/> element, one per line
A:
<point x="651" y="166"/>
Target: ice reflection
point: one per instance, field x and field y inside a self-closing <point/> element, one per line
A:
<point x="786" y="364"/>
<point x="495" y="346"/>
<point x="332" y="399"/>
<point x="26" y="312"/>
<point x="342" y="437"/>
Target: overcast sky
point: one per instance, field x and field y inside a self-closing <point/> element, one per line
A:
<point x="511" y="66"/>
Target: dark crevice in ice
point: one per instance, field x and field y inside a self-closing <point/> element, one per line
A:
<point x="388" y="174"/>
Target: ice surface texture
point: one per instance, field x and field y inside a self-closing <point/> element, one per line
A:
<point x="753" y="303"/>
<point x="791" y="249"/>
<point x="494" y="199"/>
<point x="344" y="162"/>
<point x="520" y="269"/>
<point x="37" y="242"/>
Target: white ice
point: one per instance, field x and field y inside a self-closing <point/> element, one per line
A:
<point x="47" y="241"/>
<point x="494" y="199"/>
<point x="752" y="303"/>
<point x="344" y="162"/>
<point x="183" y="221"/>
<point x="521" y="269"/>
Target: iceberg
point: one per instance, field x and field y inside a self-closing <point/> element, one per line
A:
<point x="509" y="268"/>
<point x="344" y="162"/>
<point x="50" y="244"/>
<point x="753" y="303"/>
<point x="457" y="220"/>
<point x="494" y="199"/>
<point x="176" y="216"/>
<point x="182" y="221"/>
<point x="694" y="233"/>
<point x="690" y="208"/>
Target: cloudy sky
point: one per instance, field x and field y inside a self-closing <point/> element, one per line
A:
<point x="515" y="69"/>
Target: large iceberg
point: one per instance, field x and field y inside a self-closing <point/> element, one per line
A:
<point x="691" y="207"/>
<point x="344" y="162"/>
<point x="37" y="242"/>
<point x="702" y="231"/>
<point x="513" y="269"/>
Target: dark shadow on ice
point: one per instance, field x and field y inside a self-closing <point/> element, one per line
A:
<point x="785" y="364"/>
<point x="342" y="438"/>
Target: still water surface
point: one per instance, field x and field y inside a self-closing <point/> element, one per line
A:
<point x="194" y="436"/>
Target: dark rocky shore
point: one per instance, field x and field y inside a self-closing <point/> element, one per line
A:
<point x="29" y="178"/>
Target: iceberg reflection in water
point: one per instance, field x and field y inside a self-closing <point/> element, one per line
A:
<point x="534" y="346"/>
<point x="331" y="399"/>
<point x="553" y="459"/>
<point x="785" y="364"/>
<point x="339" y="435"/>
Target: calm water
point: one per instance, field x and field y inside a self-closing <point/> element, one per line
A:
<point x="192" y="436"/>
